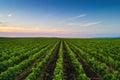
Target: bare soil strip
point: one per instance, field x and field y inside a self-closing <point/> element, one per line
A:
<point x="88" y="70"/>
<point x="48" y="73"/>
<point x="26" y="57"/>
<point x="110" y="69"/>
<point x="69" y="71"/>
<point x="29" y="69"/>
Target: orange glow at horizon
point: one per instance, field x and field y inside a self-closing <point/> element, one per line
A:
<point x="32" y="30"/>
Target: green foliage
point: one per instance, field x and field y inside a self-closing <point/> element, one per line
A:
<point x="96" y="57"/>
<point x="12" y="72"/>
<point x="58" y="72"/>
<point x="77" y="65"/>
<point x="16" y="55"/>
<point x="39" y="68"/>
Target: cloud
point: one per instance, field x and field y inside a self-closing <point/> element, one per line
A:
<point x="2" y="22"/>
<point x="1" y="15"/>
<point x="82" y="15"/>
<point x="85" y="24"/>
<point x="75" y="17"/>
<point x="10" y="15"/>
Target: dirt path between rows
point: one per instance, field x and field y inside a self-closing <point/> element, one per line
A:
<point x="48" y="73"/>
<point x="69" y="71"/>
<point x="29" y="69"/>
<point x="88" y="70"/>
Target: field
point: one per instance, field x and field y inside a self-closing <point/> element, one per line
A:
<point x="59" y="59"/>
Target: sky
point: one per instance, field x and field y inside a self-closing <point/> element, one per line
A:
<point x="60" y="18"/>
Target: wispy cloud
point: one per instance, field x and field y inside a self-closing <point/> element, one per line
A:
<point x="85" y="24"/>
<point x="82" y="15"/>
<point x="9" y="15"/>
<point x="75" y="17"/>
<point x="1" y="22"/>
<point x="1" y="15"/>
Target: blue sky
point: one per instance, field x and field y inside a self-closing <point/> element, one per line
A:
<point x="59" y="18"/>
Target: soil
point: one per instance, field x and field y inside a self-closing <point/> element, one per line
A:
<point x="29" y="69"/>
<point x="48" y="73"/>
<point x="110" y="69"/>
<point x="88" y="70"/>
<point x="69" y="71"/>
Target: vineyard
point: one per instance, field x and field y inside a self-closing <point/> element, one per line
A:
<point x="59" y="59"/>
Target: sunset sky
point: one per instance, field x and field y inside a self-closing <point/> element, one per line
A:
<point x="60" y="18"/>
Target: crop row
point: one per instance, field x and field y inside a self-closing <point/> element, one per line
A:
<point x="41" y="65"/>
<point x="36" y="57"/>
<point x="18" y="69"/>
<point x="96" y="65"/>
